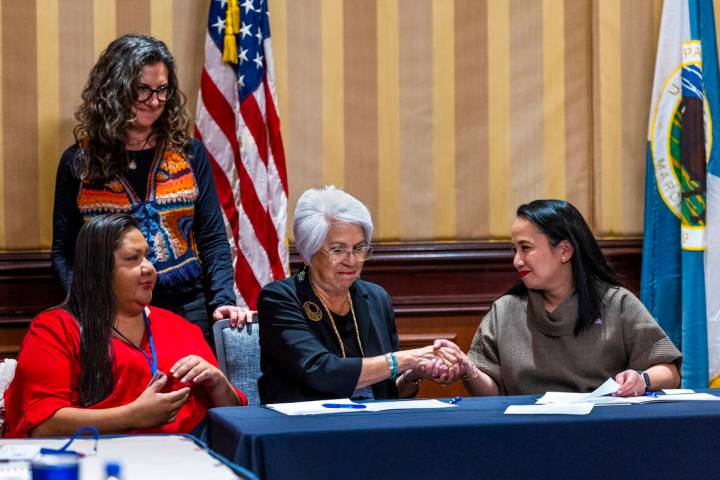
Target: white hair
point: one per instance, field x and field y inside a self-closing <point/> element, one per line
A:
<point x="317" y="209"/>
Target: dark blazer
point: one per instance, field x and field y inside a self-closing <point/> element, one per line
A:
<point x="300" y="358"/>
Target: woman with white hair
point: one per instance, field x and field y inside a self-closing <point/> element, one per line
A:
<point x="324" y="333"/>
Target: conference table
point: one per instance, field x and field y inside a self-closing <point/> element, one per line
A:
<point x="475" y="440"/>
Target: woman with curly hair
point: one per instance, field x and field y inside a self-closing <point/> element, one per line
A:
<point x="133" y="154"/>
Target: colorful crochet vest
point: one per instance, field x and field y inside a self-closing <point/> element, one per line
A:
<point x="165" y="215"/>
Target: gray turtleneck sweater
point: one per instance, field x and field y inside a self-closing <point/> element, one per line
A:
<point x="528" y="350"/>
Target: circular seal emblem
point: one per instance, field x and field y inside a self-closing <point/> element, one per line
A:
<point x="312" y="311"/>
<point x="666" y="129"/>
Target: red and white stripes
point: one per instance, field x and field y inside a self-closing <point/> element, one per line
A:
<point x="245" y="149"/>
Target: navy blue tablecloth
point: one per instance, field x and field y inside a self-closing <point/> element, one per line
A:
<point x="475" y="440"/>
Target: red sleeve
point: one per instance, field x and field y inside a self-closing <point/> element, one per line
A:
<point x="184" y="338"/>
<point x="47" y="370"/>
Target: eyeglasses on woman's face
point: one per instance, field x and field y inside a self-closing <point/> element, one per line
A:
<point x="361" y="253"/>
<point x="143" y="93"/>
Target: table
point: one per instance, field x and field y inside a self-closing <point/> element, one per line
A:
<point x="475" y="440"/>
<point x="172" y="457"/>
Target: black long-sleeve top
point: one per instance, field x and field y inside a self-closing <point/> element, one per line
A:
<point x="208" y="226"/>
<point x="301" y="358"/>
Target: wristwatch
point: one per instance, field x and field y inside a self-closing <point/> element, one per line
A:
<point x="646" y="378"/>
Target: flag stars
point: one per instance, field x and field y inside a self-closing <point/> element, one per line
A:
<point x="241" y="81"/>
<point x="220" y="25"/>
<point x="258" y="60"/>
<point x="259" y="35"/>
<point x="245" y="30"/>
<point x="242" y="56"/>
<point x="248" y="6"/>
<point x="222" y="3"/>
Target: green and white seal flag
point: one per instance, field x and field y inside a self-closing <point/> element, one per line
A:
<point x="680" y="189"/>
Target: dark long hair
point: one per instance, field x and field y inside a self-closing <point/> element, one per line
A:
<point x="92" y="302"/>
<point x="105" y="114"/>
<point x="560" y="220"/>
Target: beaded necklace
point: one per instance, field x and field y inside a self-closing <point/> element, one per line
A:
<point x="332" y="321"/>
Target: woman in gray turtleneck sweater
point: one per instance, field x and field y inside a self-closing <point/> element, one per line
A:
<point x="568" y="324"/>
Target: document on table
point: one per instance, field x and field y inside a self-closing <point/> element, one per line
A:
<point x="19" y="452"/>
<point x="679" y="397"/>
<point x="599" y="396"/>
<point x="550" y="409"/>
<point x="406" y="405"/>
<point x="312" y="408"/>
<point x="15" y="460"/>
<point x="596" y="397"/>
<point x="344" y="405"/>
<point x="676" y="391"/>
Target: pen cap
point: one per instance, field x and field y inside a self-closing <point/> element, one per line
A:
<point x="112" y="470"/>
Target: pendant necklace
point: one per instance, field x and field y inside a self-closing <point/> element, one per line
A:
<point x="334" y="327"/>
<point x="131" y="160"/>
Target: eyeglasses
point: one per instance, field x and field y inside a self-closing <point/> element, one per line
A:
<point x="361" y="254"/>
<point x="143" y="93"/>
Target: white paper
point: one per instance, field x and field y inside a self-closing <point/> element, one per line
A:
<point x="680" y="397"/>
<point x="683" y="397"/>
<point x="676" y="391"/>
<point x="597" y="396"/>
<point x="19" y="470"/>
<point x="563" y="398"/>
<point x="316" y="407"/>
<point x="553" y="409"/>
<point x="609" y="387"/>
<point x="19" y="451"/>
<point x="407" y="405"/>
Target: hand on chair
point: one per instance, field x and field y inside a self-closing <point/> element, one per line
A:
<point x="238" y="316"/>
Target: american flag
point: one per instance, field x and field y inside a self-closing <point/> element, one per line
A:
<point x="237" y="120"/>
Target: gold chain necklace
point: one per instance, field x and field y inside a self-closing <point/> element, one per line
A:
<point x="334" y="327"/>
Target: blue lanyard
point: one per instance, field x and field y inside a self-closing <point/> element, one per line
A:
<point x="153" y="363"/>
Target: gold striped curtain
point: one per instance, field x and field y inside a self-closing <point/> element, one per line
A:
<point x="441" y="115"/>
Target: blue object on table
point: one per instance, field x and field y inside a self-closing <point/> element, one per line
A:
<point x="455" y="401"/>
<point x="651" y="394"/>
<point x="343" y="405"/>
<point x="65" y="449"/>
<point x="55" y="467"/>
<point x="112" y="470"/>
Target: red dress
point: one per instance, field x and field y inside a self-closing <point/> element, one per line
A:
<point x="48" y="371"/>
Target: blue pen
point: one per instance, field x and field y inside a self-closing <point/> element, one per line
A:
<point x="343" y="405"/>
<point x="455" y="401"/>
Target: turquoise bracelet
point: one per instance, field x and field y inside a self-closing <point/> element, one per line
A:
<point x="393" y="364"/>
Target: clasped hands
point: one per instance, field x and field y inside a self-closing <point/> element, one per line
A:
<point x="444" y="362"/>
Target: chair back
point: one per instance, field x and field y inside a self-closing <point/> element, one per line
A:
<point x="238" y="354"/>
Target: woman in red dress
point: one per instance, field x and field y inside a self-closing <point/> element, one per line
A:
<point x="105" y="358"/>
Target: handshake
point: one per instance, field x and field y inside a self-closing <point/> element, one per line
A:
<point x="442" y="362"/>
